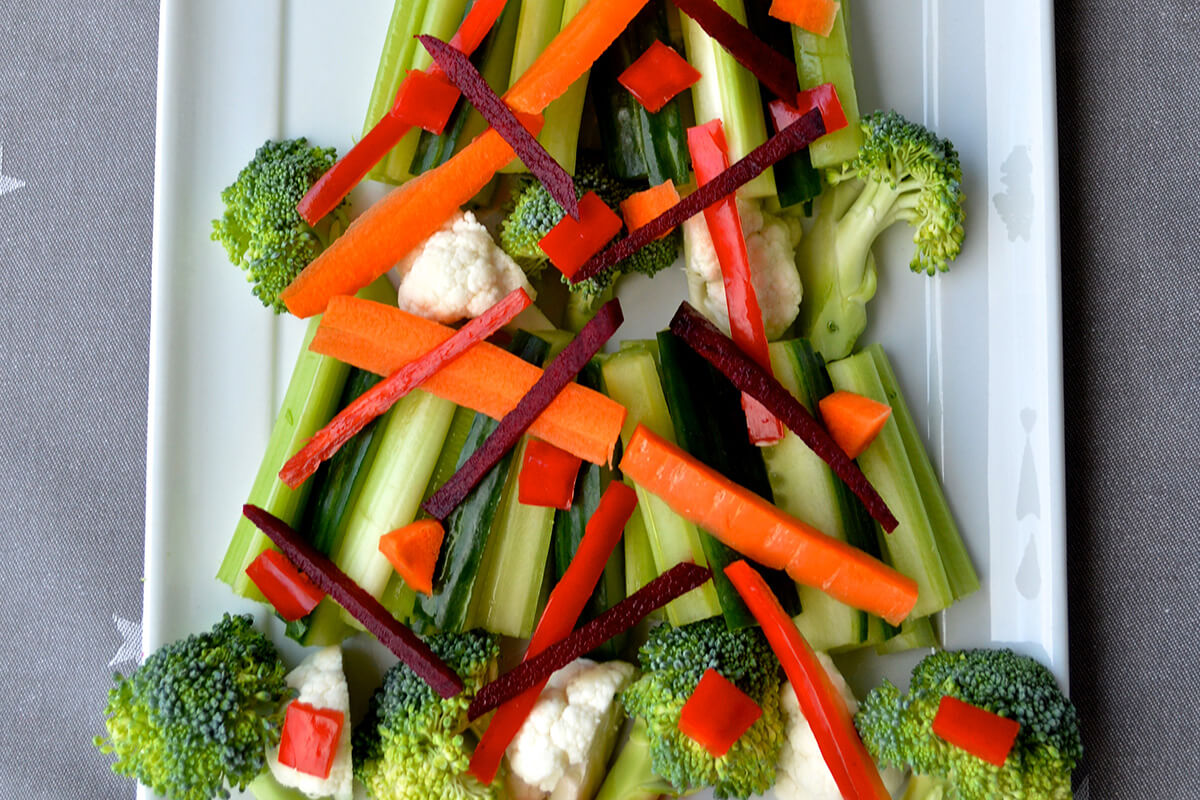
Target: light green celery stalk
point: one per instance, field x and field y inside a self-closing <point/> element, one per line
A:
<point x="496" y="66"/>
<point x="560" y="133"/>
<point x="540" y="22"/>
<point x="394" y="62"/>
<point x="728" y="91"/>
<point x="639" y="558"/>
<point x="914" y="634"/>
<point x="819" y="60"/>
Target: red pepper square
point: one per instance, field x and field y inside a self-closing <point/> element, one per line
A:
<point x="286" y="588"/>
<point x="823" y="97"/>
<point x="717" y="713"/>
<point x="976" y="730"/>
<point x="310" y="737"/>
<point x="547" y="476"/>
<point x="570" y="243"/>
<point x="658" y="75"/>
<point x="425" y="101"/>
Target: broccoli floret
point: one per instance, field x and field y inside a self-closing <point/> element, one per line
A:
<point x="261" y="229"/>
<point x="199" y="714"/>
<point x="897" y="728"/>
<point x="673" y="660"/>
<point x="413" y="744"/>
<point x="902" y="173"/>
<point x="534" y="213"/>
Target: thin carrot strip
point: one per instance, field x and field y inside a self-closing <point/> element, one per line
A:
<point x="752" y="526"/>
<point x="382" y="339"/>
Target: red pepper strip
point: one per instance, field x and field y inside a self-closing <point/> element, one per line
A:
<point x="383" y="395"/>
<point x="795" y="137"/>
<point x="561" y="372"/>
<point x="720" y="351"/>
<point x="717" y="713"/>
<point x="823" y="706"/>
<point x="710" y="157"/>
<point x="976" y="730"/>
<point x="425" y="101"/>
<point x="285" y="587"/>
<point x="773" y="69"/>
<point x="405" y="644"/>
<point x="678" y="580"/>
<point x="571" y="242"/>
<point x="309" y="740"/>
<point x="566" y="603"/>
<point x="463" y="74"/>
<point x="657" y="75"/>
<point x="823" y="97"/>
<point x="350" y="169"/>
<point x="547" y="476"/>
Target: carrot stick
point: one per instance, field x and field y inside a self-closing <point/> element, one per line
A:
<point x="382" y="396"/>
<point x="853" y="420"/>
<point x="641" y="207"/>
<point x="413" y="552"/>
<point x="752" y="526"/>
<point x="382" y="339"/>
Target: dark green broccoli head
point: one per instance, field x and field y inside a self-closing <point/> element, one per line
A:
<point x="414" y="744"/>
<point x="673" y="660"/>
<point x="199" y="714"/>
<point x="897" y="728"/>
<point x="261" y="229"/>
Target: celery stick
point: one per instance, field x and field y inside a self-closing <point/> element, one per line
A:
<point x="540" y="22"/>
<point x="914" y="633"/>
<point x="399" y="46"/>
<point x="639" y="558"/>
<point x="819" y="60"/>
<point x="560" y="133"/>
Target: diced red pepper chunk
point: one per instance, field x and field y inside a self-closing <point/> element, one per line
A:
<point x="570" y="243"/>
<point x="547" y="476"/>
<point x="309" y="740"/>
<point x="425" y="101"/>
<point x="823" y="97"/>
<point x="286" y="588"/>
<point x="658" y="75"/>
<point x="717" y="713"/>
<point x="978" y="731"/>
<point x="814" y="16"/>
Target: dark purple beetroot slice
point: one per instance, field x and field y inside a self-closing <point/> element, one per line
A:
<point x="772" y="68"/>
<point x="798" y="135"/>
<point x="561" y="371"/>
<point x="407" y="646"/>
<point x="721" y="351"/>
<point x="678" y="580"/>
<point x="462" y="73"/>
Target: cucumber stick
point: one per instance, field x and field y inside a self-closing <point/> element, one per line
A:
<point x="631" y="378"/>
<point x="913" y="634"/>
<point x="911" y="548"/>
<point x="819" y="60"/>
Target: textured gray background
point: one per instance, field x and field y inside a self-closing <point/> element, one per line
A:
<point x="77" y="84"/>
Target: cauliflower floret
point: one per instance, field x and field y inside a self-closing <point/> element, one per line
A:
<point x="457" y="272"/>
<point x="321" y="683"/>
<point x="771" y="248"/>
<point x="802" y="773"/>
<point x="564" y="744"/>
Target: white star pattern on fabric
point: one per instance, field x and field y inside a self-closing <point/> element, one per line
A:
<point x="7" y="183"/>
<point x="131" y="647"/>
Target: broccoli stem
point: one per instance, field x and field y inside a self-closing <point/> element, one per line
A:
<point x="631" y="777"/>
<point x="582" y="306"/>
<point x="925" y="787"/>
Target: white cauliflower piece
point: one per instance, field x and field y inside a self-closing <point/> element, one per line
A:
<point x="321" y="683"/>
<point x="564" y="745"/>
<point x="771" y="248"/>
<point x="458" y="272"/>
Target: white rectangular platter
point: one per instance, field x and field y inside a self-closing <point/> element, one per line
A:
<point x="977" y="349"/>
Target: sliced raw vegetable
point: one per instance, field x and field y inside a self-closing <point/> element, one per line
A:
<point x="425" y="101"/>
<point x="823" y="97"/>
<point x="770" y="67"/>
<point x="365" y="608"/>
<point x="384" y="395"/>
<point x="820" y="701"/>
<point x="814" y="16"/>
<point x="413" y="551"/>
<point x="789" y="140"/>
<point x="641" y="207"/>
<point x="658" y="75"/>
<point x="285" y="587"/>
<point x="976" y="730"/>
<point x="759" y="530"/>
<point x="573" y="241"/>
<point x="853" y="420"/>
<point x="721" y="351"/>
<point x="639" y="557"/>
<point x="309" y="739"/>
<point x="914" y="634"/>
<point x="547" y="476"/>
<point x="567" y="601"/>
<point x="717" y="713"/>
<point x="618" y="619"/>
<point x="820" y="60"/>
<point x="564" y="116"/>
<point x="487" y="379"/>
<point x="561" y="371"/>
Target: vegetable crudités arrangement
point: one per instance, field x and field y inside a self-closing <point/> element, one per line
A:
<point x="607" y="568"/>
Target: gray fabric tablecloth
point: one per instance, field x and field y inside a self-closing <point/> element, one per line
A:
<point x="77" y="93"/>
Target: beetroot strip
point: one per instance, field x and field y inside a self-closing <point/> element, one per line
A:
<point x="772" y="68"/>
<point x="407" y="646"/>
<point x="512" y="427"/>
<point x="383" y="395"/>
<point x="678" y="580"/>
<point x="745" y="373"/>
<point x="462" y="73"/>
<point x="800" y="134"/>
